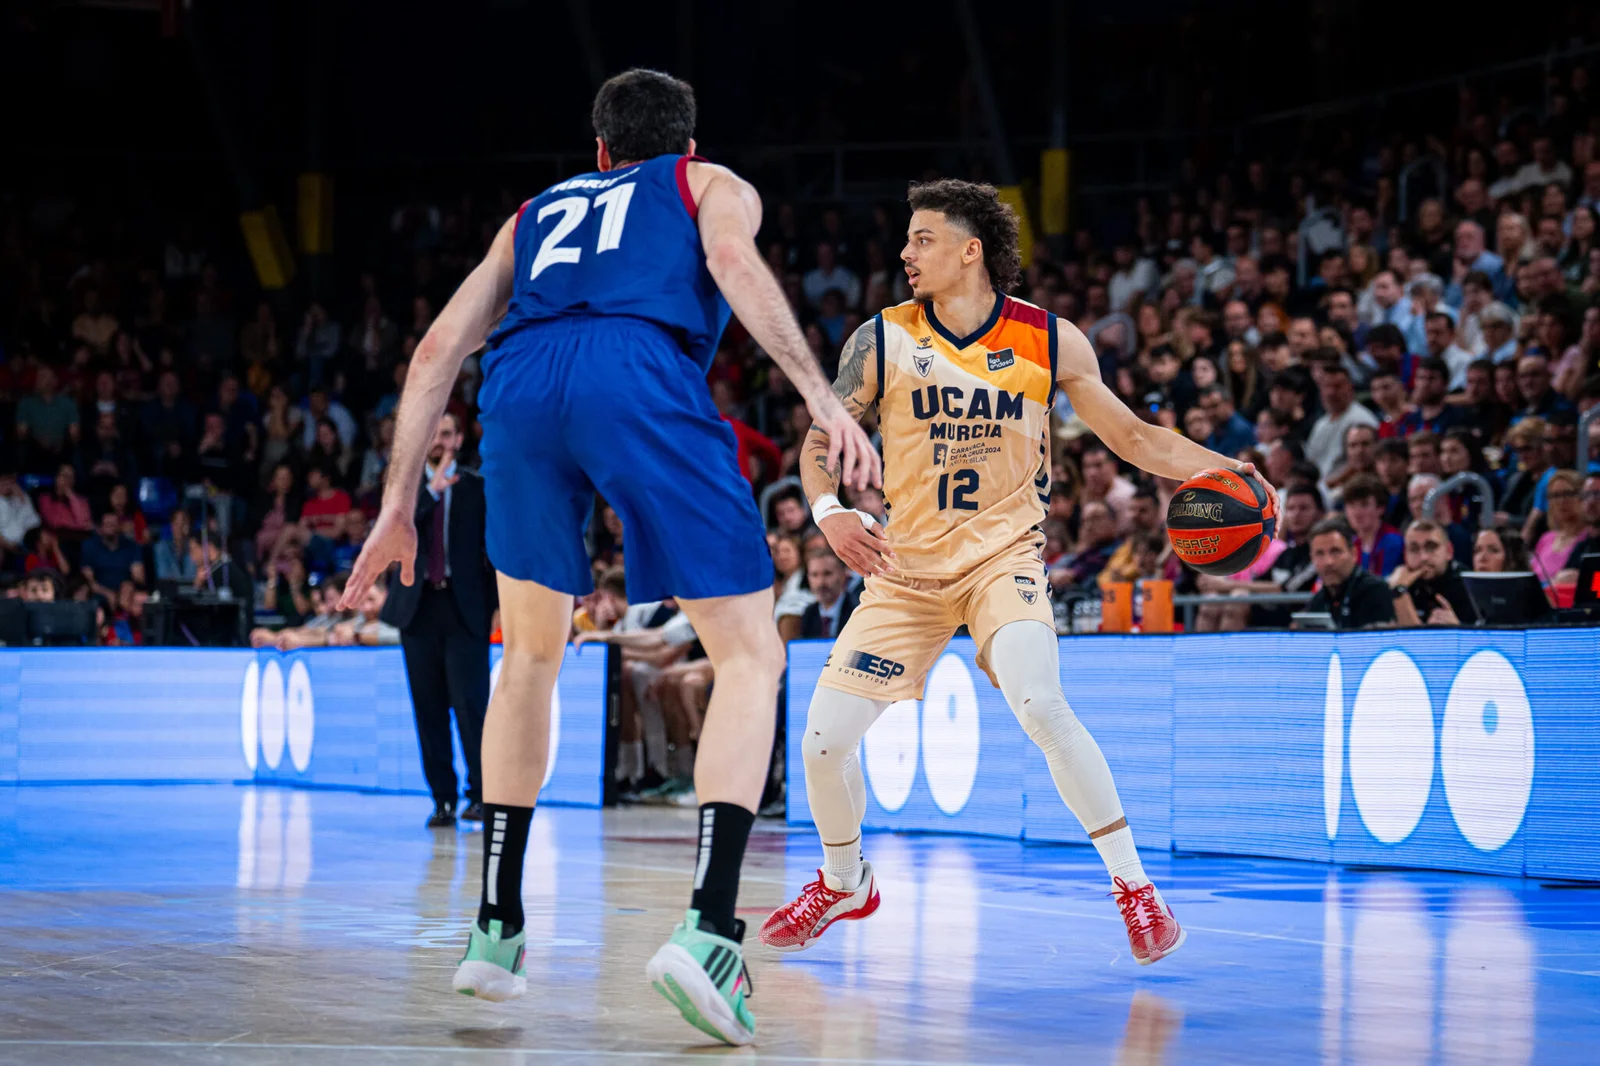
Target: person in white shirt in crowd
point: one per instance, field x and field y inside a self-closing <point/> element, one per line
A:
<point x="1325" y="446"/>
<point x="17" y="516"/>
<point x="1426" y="292"/>
<point x="1498" y="326"/>
<point x="1135" y="275"/>
<point x="1440" y="338"/>
<point x="1545" y="168"/>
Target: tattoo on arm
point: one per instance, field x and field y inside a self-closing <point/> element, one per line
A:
<point x="852" y="379"/>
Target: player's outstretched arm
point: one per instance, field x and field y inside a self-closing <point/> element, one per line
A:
<point x="859" y="542"/>
<point x="460" y="330"/>
<point x="1151" y="448"/>
<point x="729" y="216"/>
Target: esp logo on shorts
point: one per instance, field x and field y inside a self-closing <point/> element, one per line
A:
<point x="875" y="667"/>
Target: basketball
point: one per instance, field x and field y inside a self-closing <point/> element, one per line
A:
<point x="1220" y="522"/>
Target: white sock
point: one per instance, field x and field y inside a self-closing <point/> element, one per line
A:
<point x="630" y="760"/>
<point x="842" y="862"/>
<point x="1121" y="858"/>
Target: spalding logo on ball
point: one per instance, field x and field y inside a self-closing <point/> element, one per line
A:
<point x="1220" y="522"/>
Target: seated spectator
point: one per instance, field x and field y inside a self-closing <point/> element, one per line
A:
<point x="1145" y="515"/>
<point x="329" y="452"/>
<point x="278" y="510"/>
<point x="834" y="600"/>
<point x="1427" y="587"/>
<point x="47" y="423"/>
<point x="790" y="512"/>
<point x="320" y="405"/>
<point x="63" y="509"/>
<point x="1351" y="595"/>
<point x="41" y="586"/>
<point x="1555" y="547"/>
<point x="1379" y="547"/>
<point x="105" y="460"/>
<point x="369" y="489"/>
<point x="605" y="606"/>
<point x="173" y="562"/>
<point x="44" y="552"/>
<point x="1389" y="397"/>
<point x="1097" y="542"/>
<point x="315" y="631"/>
<point x="322" y="518"/>
<point x="1430" y="406"/>
<point x="288" y="592"/>
<point x="1360" y="457"/>
<point x="123" y="622"/>
<point x="120" y="501"/>
<point x="1231" y="432"/>
<point x="110" y="558"/>
<point x="1102" y="483"/>
<point x="1535" y="389"/>
<point x="1422" y="453"/>
<point x="168" y="428"/>
<point x="366" y="627"/>
<point x="1325" y="445"/>
<point x="281" y="428"/>
<point x="1392" y="465"/>
<point x="1589" y="500"/>
<point x="1500" y="551"/>
<point x="17" y="518"/>
<point x="216" y="572"/>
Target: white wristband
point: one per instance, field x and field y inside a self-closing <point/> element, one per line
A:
<point x="828" y="505"/>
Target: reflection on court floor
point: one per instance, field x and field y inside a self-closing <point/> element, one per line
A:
<point x="264" y="925"/>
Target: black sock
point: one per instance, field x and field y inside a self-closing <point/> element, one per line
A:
<point x="505" y="840"/>
<point x="724" y="828"/>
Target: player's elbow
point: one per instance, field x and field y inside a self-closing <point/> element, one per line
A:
<point x="727" y="256"/>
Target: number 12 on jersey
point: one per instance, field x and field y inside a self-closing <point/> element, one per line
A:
<point x="613" y="205"/>
<point x="966" y="482"/>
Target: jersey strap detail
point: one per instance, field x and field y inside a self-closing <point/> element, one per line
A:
<point x="680" y="173"/>
<point x="520" y="211"/>
<point x="877" y="325"/>
<point x="1055" y="372"/>
<point x="961" y="342"/>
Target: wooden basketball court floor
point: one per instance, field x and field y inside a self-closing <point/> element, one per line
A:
<point x="215" y="924"/>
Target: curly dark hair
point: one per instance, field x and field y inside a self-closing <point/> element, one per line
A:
<point x="978" y="209"/>
<point x="641" y="114"/>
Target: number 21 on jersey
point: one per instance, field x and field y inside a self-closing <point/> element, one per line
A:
<point x="613" y="205"/>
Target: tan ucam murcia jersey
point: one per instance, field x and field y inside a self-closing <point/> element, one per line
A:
<point x="965" y="423"/>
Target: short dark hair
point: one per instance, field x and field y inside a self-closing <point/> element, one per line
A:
<point x="1365" y="487"/>
<point x="1435" y="365"/>
<point x="1479" y="279"/>
<point x="1275" y="339"/>
<point x="1333" y="524"/>
<point x="1422" y="436"/>
<point x="1394" y="448"/>
<point x="1387" y="334"/>
<point x="641" y="114"/>
<point x="612" y="580"/>
<point x="1440" y="314"/>
<point x="978" y="209"/>
<point x="1485" y="365"/>
<point x="1304" y="488"/>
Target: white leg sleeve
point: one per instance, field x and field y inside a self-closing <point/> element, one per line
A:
<point x="1027" y="661"/>
<point x="835" y="724"/>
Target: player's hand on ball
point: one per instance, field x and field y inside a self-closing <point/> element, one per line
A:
<point x="1272" y="509"/>
<point x="850" y="450"/>
<point x="393" y="540"/>
<point x="866" y="551"/>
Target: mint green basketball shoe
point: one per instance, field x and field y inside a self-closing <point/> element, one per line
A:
<point x="492" y="968"/>
<point x="704" y="976"/>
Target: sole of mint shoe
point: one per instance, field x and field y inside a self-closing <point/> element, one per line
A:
<point x="1183" y="934"/>
<point x="676" y="975"/>
<point x="485" y="980"/>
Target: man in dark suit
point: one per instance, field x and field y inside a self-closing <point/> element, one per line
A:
<point x="443" y="618"/>
<point x="836" y="600"/>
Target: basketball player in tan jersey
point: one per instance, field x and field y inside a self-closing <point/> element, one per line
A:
<point x="963" y="378"/>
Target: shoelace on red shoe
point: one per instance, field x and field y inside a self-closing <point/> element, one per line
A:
<point x="815" y="899"/>
<point x="1139" y="907"/>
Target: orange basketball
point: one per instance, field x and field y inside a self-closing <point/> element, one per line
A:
<point x="1220" y="522"/>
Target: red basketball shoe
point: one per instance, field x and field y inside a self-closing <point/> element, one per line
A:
<point x="1153" y="933"/>
<point x="796" y="926"/>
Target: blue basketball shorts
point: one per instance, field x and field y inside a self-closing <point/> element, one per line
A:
<point x="584" y="405"/>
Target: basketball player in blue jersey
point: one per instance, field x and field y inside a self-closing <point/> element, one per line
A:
<point x="611" y="290"/>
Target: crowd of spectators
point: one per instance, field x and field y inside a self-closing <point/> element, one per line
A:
<point x="168" y="430"/>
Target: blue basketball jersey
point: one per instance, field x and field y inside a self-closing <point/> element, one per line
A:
<point x="619" y="243"/>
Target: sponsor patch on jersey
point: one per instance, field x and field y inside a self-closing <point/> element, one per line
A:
<point x="924" y="343"/>
<point x="1021" y="580"/>
<point x="1001" y="359"/>
<point x="923" y="363"/>
<point x="1027" y="596"/>
<point x="939" y="452"/>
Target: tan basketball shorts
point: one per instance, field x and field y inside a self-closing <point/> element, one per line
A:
<point x="903" y="624"/>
